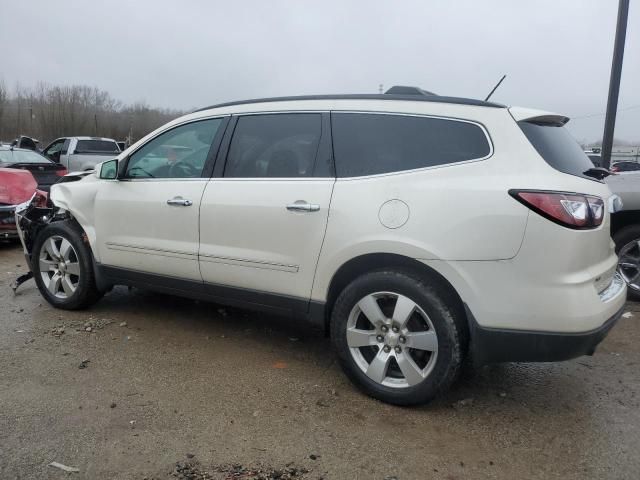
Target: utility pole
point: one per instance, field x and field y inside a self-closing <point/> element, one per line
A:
<point x="614" y="82"/>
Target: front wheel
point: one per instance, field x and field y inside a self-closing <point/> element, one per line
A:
<point x="397" y="338"/>
<point x="62" y="267"/>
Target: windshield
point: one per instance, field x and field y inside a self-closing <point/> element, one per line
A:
<point x="21" y="156"/>
<point x="97" y="146"/>
<point x="558" y="148"/>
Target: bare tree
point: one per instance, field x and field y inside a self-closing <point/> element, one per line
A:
<point x="48" y="111"/>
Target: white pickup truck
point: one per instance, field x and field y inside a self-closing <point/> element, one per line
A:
<point x="78" y="154"/>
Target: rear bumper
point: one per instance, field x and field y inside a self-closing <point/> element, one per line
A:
<point x="493" y="345"/>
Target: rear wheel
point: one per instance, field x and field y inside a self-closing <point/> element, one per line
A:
<point x="627" y="242"/>
<point x="62" y="267"/>
<point x="397" y="338"/>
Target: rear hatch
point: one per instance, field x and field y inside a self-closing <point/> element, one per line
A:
<point x="568" y="196"/>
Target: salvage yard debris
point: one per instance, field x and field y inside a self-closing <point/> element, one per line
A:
<point x="193" y="470"/>
<point x="64" y="467"/>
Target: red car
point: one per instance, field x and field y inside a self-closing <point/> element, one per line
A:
<point x="16" y="187"/>
<point x="44" y="170"/>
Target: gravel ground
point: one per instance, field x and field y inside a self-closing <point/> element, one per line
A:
<point x="150" y="386"/>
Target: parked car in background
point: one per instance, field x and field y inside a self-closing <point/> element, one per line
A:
<point x="417" y="229"/>
<point x="45" y="172"/>
<point x="78" y="154"/>
<point x="625" y="229"/>
<point x="17" y="187"/>
<point x="24" y="141"/>
<point x="623" y="167"/>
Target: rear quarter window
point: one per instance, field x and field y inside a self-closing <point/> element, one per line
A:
<point x="369" y="144"/>
<point x="97" y="146"/>
<point x="557" y="147"/>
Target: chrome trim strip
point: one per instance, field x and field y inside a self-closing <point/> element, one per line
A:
<point x="243" y="262"/>
<point x="151" y="251"/>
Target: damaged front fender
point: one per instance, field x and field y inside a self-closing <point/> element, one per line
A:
<point x="32" y="217"/>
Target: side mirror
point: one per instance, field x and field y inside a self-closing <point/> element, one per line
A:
<point x="109" y="170"/>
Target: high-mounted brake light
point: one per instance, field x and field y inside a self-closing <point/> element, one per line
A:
<point x="572" y="210"/>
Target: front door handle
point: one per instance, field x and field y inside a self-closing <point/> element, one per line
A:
<point x="303" y="206"/>
<point x="181" y="202"/>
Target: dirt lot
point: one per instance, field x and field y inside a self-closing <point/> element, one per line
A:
<point x="164" y="388"/>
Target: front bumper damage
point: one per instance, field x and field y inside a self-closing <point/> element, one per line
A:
<point x="30" y="220"/>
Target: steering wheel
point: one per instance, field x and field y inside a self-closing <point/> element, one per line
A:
<point x="182" y="169"/>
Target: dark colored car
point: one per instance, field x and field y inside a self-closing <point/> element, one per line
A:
<point x="625" y="167"/>
<point x="16" y="188"/>
<point x="45" y="172"/>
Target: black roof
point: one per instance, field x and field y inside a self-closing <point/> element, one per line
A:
<point x="413" y="94"/>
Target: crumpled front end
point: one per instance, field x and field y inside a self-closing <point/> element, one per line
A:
<point x="33" y="216"/>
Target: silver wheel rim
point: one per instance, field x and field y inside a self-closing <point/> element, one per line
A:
<point x="392" y="340"/>
<point x="629" y="264"/>
<point x="59" y="266"/>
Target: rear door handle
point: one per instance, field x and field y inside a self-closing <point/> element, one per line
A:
<point x="179" y="201"/>
<point x="303" y="206"/>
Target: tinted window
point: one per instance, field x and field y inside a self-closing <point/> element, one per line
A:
<point x="21" y="156"/>
<point x="97" y="146"/>
<point x="558" y="148"/>
<point x="279" y="145"/>
<point x="625" y="167"/>
<point x="368" y="144"/>
<point x="179" y="153"/>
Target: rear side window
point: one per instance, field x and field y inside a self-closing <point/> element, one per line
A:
<point x="369" y="144"/>
<point x="558" y="148"/>
<point x="96" y="146"/>
<point x="274" y="145"/>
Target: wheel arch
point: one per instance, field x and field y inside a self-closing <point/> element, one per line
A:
<point x="370" y="262"/>
<point x="624" y="219"/>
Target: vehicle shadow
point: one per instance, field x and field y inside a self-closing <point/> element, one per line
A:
<point x="542" y="386"/>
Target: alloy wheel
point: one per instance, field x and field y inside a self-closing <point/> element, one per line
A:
<point x="392" y="340"/>
<point x="59" y="266"/>
<point x="629" y="264"/>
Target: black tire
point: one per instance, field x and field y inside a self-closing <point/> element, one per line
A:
<point x="446" y="319"/>
<point x="86" y="293"/>
<point x="621" y="238"/>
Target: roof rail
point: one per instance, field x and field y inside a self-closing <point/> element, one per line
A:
<point x="423" y="96"/>
<point x="404" y="90"/>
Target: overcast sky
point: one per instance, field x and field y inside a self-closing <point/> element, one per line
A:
<point x="190" y="53"/>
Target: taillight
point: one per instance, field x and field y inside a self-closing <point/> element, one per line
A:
<point x="572" y="210"/>
<point x="61" y="172"/>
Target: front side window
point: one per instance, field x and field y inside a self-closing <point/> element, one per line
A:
<point x="274" y="146"/>
<point x="370" y="144"/>
<point x="53" y="151"/>
<point x="179" y="153"/>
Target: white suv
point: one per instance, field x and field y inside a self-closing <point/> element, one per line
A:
<point x="416" y="229"/>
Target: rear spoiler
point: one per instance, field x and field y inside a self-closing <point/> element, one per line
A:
<point x="520" y="114"/>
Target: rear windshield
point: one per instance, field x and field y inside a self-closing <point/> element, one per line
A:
<point x="97" y="146"/>
<point x="558" y="148"/>
<point x="21" y="156"/>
